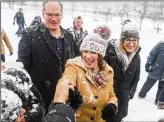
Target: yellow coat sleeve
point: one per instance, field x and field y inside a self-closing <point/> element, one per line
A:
<point x="70" y="73"/>
<point x="7" y="42"/>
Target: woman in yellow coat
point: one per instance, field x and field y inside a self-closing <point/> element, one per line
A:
<point x="5" y="38"/>
<point x="93" y="79"/>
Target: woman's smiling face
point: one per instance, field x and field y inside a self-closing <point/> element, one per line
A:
<point x="90" y="59"/>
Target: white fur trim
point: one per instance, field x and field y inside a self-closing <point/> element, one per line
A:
<point x="122" y="57"/>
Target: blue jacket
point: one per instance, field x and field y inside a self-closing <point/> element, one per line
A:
<point x="161" y="96"/>
<point x="156" y="60"/>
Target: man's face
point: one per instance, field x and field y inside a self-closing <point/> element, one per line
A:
<point x="20" y="10"/>
<point x="52" y="15"/>
<point x="78" y="24"/>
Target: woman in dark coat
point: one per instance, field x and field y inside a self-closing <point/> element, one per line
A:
<point x="123" y="57"/>
<point x="17" y="80"/>
<point x="155" y="67"/>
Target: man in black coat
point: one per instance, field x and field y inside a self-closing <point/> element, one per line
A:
<point x="123" y="57"/>
<point x="155" y="67"/>
<point x="19" y="16"/>
<point x="45" y="49"/>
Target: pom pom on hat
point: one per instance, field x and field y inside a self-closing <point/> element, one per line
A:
<point x="129" y="30"/>
<point x="126" y="22"/>
<point x="95" y="43"/>
<point x="104" y="31"/>
<point x="10" y="105"/>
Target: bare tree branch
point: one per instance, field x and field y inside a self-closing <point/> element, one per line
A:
<point x="142" y="12"/>
<point x="106" y="11"/>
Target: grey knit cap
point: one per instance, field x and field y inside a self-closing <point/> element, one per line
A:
<point x="129" y="30"/>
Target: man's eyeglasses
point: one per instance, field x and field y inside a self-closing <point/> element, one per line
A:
<point x="50" y="15"/>
<point x="128" y="40"/>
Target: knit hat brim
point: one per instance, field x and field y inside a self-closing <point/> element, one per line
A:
<point x="95" y="43"/>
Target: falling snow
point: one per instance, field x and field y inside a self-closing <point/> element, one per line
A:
<point x="139" y="109"/>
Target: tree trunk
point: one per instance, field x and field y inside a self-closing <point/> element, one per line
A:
<point x="106" y="19"/>
<point x="141" y="23"/>
<point x="121" y="20"/>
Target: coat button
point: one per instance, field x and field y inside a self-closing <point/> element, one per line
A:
<point x="96" y="97"/>
<point x="92" y="118"/>
<point x="94" y="108"/>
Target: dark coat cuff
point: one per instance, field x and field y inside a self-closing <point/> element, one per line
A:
<point x="59" y="109"/>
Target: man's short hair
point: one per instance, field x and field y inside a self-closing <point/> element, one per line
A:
<point x="78" y="17"/>
<point x="46" y="1"/>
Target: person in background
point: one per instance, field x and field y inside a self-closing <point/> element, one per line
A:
<point x="45" y="49"/>
<point x="5" y="39"/>
<point x="78" y="31"/>
<point x="19" y="16"/>
<point x="94" y="80"/>
<point x="123" y="56"/>
<point x="155" y="67"/>
<point x="37" y="21"/>
<point x="19" y="95"/>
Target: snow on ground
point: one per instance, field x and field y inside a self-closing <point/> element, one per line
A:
<point x="139" y="109"/>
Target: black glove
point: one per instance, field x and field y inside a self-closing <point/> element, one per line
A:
<point x="148" y="67"/>
<point x="108" y="111"/>
<point x="25" y="24"/>
<point x="13" y="23"/>
<point x="75" y="99"/>
<point x="11" y="53"/>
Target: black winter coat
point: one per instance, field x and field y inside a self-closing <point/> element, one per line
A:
<point x="125" y="82"/>
<point x="156" y="61"/>
<point x="59" y="113"/>
<point x="41" y="60"/>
